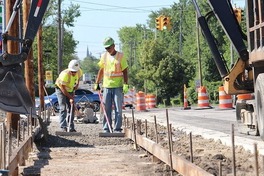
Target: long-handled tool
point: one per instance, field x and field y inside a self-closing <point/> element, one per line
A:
<point x="70" y="119"/>
<point x="103" y="107"/>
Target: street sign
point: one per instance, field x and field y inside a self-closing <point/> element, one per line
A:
<point x="49" y="78"/>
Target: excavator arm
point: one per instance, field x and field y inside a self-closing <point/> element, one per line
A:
<point x="14" y="96"/>
<point x="239" y="79"/>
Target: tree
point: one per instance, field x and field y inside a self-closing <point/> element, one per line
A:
<point x="166" y="60"/>
<point x="50" y="36"/>
<point x="89" y="65"/>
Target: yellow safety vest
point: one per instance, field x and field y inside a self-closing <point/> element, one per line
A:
<point x="113" y="69"/>
<point x="68" y="80"/>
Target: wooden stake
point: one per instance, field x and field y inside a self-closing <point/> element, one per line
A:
<point x="233" y="150"/>
<point x="191" y="148"/>
<point x="169" y="139"/>
<point x="134" y="129"/>
<point x="256" y="159"/>
<point x="156" y="129"/>
<point x="220" y="168"/>
<point x="1" y="148"/>
<point x="18" y="133"/>
<point x="9" y="144"/>
<point x="125" y="124"/>
<point x="146" y="128"/>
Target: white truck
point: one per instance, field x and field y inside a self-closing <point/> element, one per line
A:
<point x="87" y="78"/>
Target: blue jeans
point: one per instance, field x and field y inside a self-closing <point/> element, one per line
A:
<point x="65" y="110"/>
<point x="113" y="96"/>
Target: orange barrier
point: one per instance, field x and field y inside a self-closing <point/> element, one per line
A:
<point x="244" y="97"/>
<point x="225" y="101"/>
<point x="141" y="102"/>
<point x="151" y="101"/>
<point x="203" y="99"/>
<point x="130" y="98"/>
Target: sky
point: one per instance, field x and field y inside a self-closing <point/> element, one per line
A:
<point x="100" y="19"/>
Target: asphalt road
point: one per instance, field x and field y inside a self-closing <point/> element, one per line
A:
<point x="210" y="123"/>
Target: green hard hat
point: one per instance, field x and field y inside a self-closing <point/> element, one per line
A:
<point x="108" y="42"/>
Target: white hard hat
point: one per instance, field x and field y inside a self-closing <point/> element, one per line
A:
<point x="74" y="65"/>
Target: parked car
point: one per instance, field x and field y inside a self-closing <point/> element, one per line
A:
<point x="81" y="95"/>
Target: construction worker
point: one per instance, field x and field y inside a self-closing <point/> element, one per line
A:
<point x="113" y="71"/>
<point x="66" y="84"/>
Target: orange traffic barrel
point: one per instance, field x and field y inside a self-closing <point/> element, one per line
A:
<point x="203" y="99"/>
<point x="225" y="100"/>
<point x="151" y="100"/>
<point x="141" y="101"/>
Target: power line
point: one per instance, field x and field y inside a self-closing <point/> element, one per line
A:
<point x="137" y="9"/>
<point x="109" y="27"/>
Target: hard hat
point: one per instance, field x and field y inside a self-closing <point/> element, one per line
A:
<point x="108" y="42"/>
<point x="74" y="65"/>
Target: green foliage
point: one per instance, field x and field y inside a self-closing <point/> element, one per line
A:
<point x="49" y="38"/>
<point x="192" y="94"/>
<point x="176" y="101"/>
<point x="89" y="65"/>
<point x="164" y="62"/>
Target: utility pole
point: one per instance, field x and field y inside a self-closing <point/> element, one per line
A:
<point x="134" y="53"/>
<point x="40" y="69"/>
<point x="180" y="40"/>
<point x="12" y="48"/>
<point x="198" y="50"/>
<point x="59" y="39"/>
<point x="29" y="71"/>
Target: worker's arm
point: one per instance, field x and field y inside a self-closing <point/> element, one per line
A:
<point x="65" y="92"/>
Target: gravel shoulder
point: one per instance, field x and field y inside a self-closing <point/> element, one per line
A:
<point x="89" y="154"/>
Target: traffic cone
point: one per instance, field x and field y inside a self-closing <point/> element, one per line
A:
<point x="185" y="101"/>
<point x="203" y="99"/>
<point x="225" y="100"/>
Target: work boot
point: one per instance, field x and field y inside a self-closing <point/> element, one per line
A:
<point x="73" y="130"/>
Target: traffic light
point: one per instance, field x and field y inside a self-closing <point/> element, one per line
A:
<point x="165" y="23"/>
<point x="238" y="14"/>
<point x="158" y="23"/>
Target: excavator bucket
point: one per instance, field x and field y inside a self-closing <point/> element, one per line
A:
<point x="14" y="96"/>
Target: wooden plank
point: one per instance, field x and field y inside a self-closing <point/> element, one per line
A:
<point x="18" y="157"/>
<point x="180" y="164"/>
<point x="62" y="133"/>
<point x="111" y="134"/>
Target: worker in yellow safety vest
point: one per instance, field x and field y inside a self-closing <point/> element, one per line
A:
<point x="66" y="84"/>
<point x="114" y="72"/>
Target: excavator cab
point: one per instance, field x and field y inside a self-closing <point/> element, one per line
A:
<point x="14" y="95"/>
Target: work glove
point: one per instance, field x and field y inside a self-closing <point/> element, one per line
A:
<point x="125" y="88"/>
<point x="97" y="87"/>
